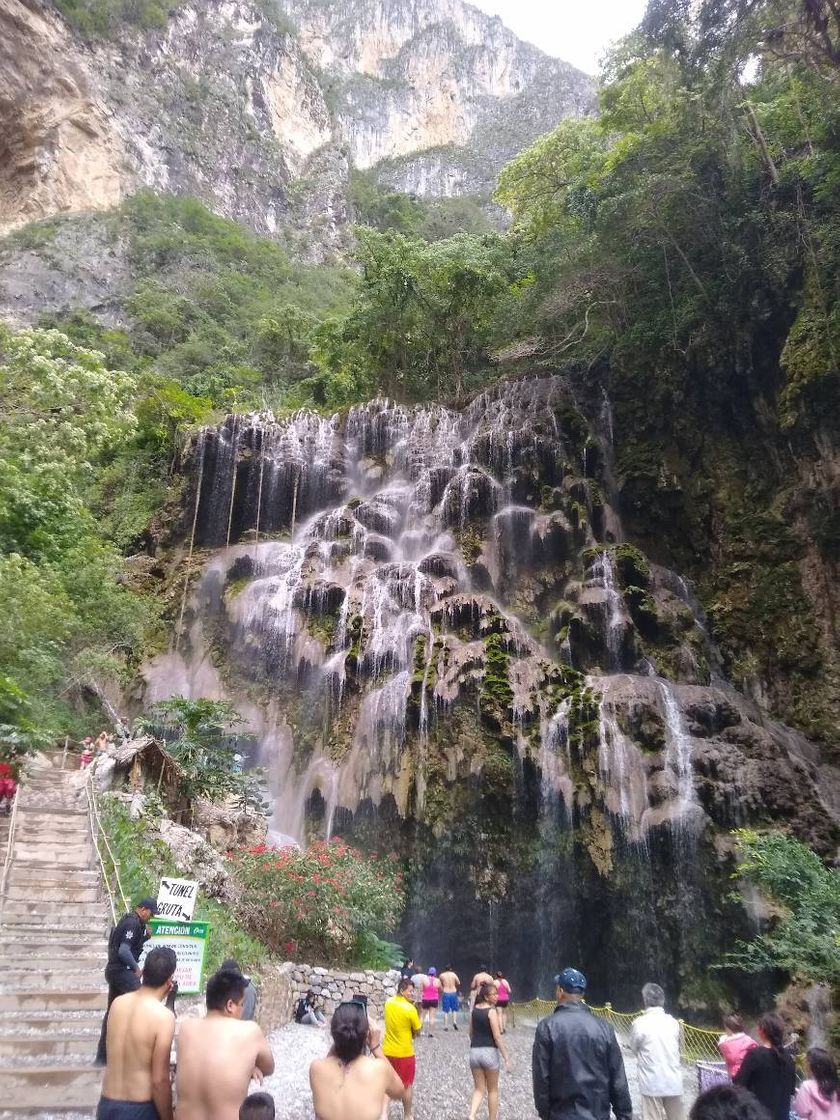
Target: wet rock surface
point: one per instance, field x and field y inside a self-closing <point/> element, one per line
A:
<point x="445" y="649"/>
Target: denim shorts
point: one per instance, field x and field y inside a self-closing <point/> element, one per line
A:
<point x="484" y="1057"/>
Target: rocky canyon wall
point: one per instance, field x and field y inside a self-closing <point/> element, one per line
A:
<point x="444" y="645"/>
<point x="260" y="112"/>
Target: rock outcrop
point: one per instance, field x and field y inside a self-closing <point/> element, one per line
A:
<point x="262" y="115"/>
<point x="442" y="644"/>
<point x="60" y="148"/>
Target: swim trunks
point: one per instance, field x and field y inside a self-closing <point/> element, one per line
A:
<point x="450" y="1001"/>
<point x="108" y="1109"/>
<point x="405" y="1069"/>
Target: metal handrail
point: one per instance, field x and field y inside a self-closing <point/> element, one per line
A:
<point x="96" y="827"/>
<point x="9" y="845"/>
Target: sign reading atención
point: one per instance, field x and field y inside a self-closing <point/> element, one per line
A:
<point x="176" y="899"/>
<point x="189" y="940"/>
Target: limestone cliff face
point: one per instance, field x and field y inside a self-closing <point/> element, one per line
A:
<point x="59" y="145"/>
<point x="262" y="116"/>
<point x="415" y="75"/>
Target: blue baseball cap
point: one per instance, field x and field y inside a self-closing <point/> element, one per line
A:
<point x="570" y="980"/>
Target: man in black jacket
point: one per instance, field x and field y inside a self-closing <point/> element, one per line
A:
<point x="577" y="1065"/>
<point x="122" y="971"/>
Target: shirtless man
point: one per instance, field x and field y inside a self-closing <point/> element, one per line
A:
<point x="136" y="1084"/>
<point x="481" y="977"/>
<point x="450" y="984"/>
<point x="220" y="1054"/>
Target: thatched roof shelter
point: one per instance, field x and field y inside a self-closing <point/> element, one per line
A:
<point x="145" y="761"/>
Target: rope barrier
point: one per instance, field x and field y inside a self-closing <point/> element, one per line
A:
<point x="96" y="826"/>
<point x="696" y="1043"/>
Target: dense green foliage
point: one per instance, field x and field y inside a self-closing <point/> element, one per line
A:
<point x="96" y="18"/>
<point x="804" y="938"/>
<point x="197" y="737"/>
<point x="328" y="903"/>
<point x="69" y="625"/>
<point x="143" y="857"/>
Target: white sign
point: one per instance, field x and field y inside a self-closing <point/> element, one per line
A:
<point x="176" y="899"/>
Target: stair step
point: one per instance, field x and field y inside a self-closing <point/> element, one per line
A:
<point x="55" y="1001"/>
<point x="33" y="949"/>
<point x="16" y="892"/>
<point x="78" y="979"/>
<point x="21" y="875"/>
<point x="58" y="814"/>
<point x="49" y="1046"/>
<point x="49" y="1023"/>
<point x="90" y="926"/>
<point x="35" y="867"/>
<point x="47" y="913"/>
<point x="37" y="958"/>
<point x="74" y="1086"/>
<point x="30" y="834"/>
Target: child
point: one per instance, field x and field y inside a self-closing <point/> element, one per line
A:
<point x="734" y="1044"/>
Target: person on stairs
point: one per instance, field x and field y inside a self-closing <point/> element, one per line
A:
<point x="136" y="1085"/>
<point x="122" y="971"/>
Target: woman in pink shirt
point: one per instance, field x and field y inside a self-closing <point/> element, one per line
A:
<point x="430" y="996"/>
<point x="734" y="1045"/>
<point x="819" y="1097"/>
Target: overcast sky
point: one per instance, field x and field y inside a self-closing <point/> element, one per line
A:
<point x="577" y="31"/>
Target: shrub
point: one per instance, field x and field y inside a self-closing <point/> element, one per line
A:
<point x="321" y="903"/>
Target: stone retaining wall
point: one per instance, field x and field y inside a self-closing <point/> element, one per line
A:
<point x="283" y="985"/>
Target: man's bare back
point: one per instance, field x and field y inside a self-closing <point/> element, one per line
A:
<point x="449" y="982"/>
<point x="216" y="1059"/>
<point x="140" y="1032"/>
<point x="357" y="1091"/>
<point x="481" y="977"/>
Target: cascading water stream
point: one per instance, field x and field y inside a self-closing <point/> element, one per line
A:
<point x="615" y="616"/>
<point x="678" y="750"/>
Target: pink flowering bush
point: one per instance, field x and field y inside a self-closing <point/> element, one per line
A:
<point x="320" y="903"/>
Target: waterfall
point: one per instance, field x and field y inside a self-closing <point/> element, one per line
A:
<point x="615" y="615"/>
<point x="678" y="750"/>
<point x="622" y="769"/>
<point x="555" y="763"/>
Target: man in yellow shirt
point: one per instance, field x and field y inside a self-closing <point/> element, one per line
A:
<point x="402" y="1023"/>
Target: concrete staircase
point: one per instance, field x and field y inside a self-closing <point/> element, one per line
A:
<point x="53" y="948"/>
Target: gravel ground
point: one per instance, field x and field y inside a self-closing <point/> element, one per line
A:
<point x="444" y="1084"/>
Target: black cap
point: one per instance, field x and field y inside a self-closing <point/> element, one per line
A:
<point x="147" y="904"/>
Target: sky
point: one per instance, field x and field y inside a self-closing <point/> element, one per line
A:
<point x="578" y="31"/>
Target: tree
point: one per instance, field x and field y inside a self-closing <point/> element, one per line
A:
<point x="805" y="937"/>
<point x="422" y="321"/>
<point x="198" y="735"/>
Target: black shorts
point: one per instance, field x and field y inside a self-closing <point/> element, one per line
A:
<point x="427" y="1003"/>
<point x="108" y="1109"/>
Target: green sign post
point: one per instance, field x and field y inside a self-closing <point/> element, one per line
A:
<point x="189" y="940"/>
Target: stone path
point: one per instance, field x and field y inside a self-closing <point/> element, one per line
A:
<point x="53" y="949"/>
<point x="444" y="1083"/>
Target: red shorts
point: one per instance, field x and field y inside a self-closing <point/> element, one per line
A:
<point x="405" y="1069"/>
